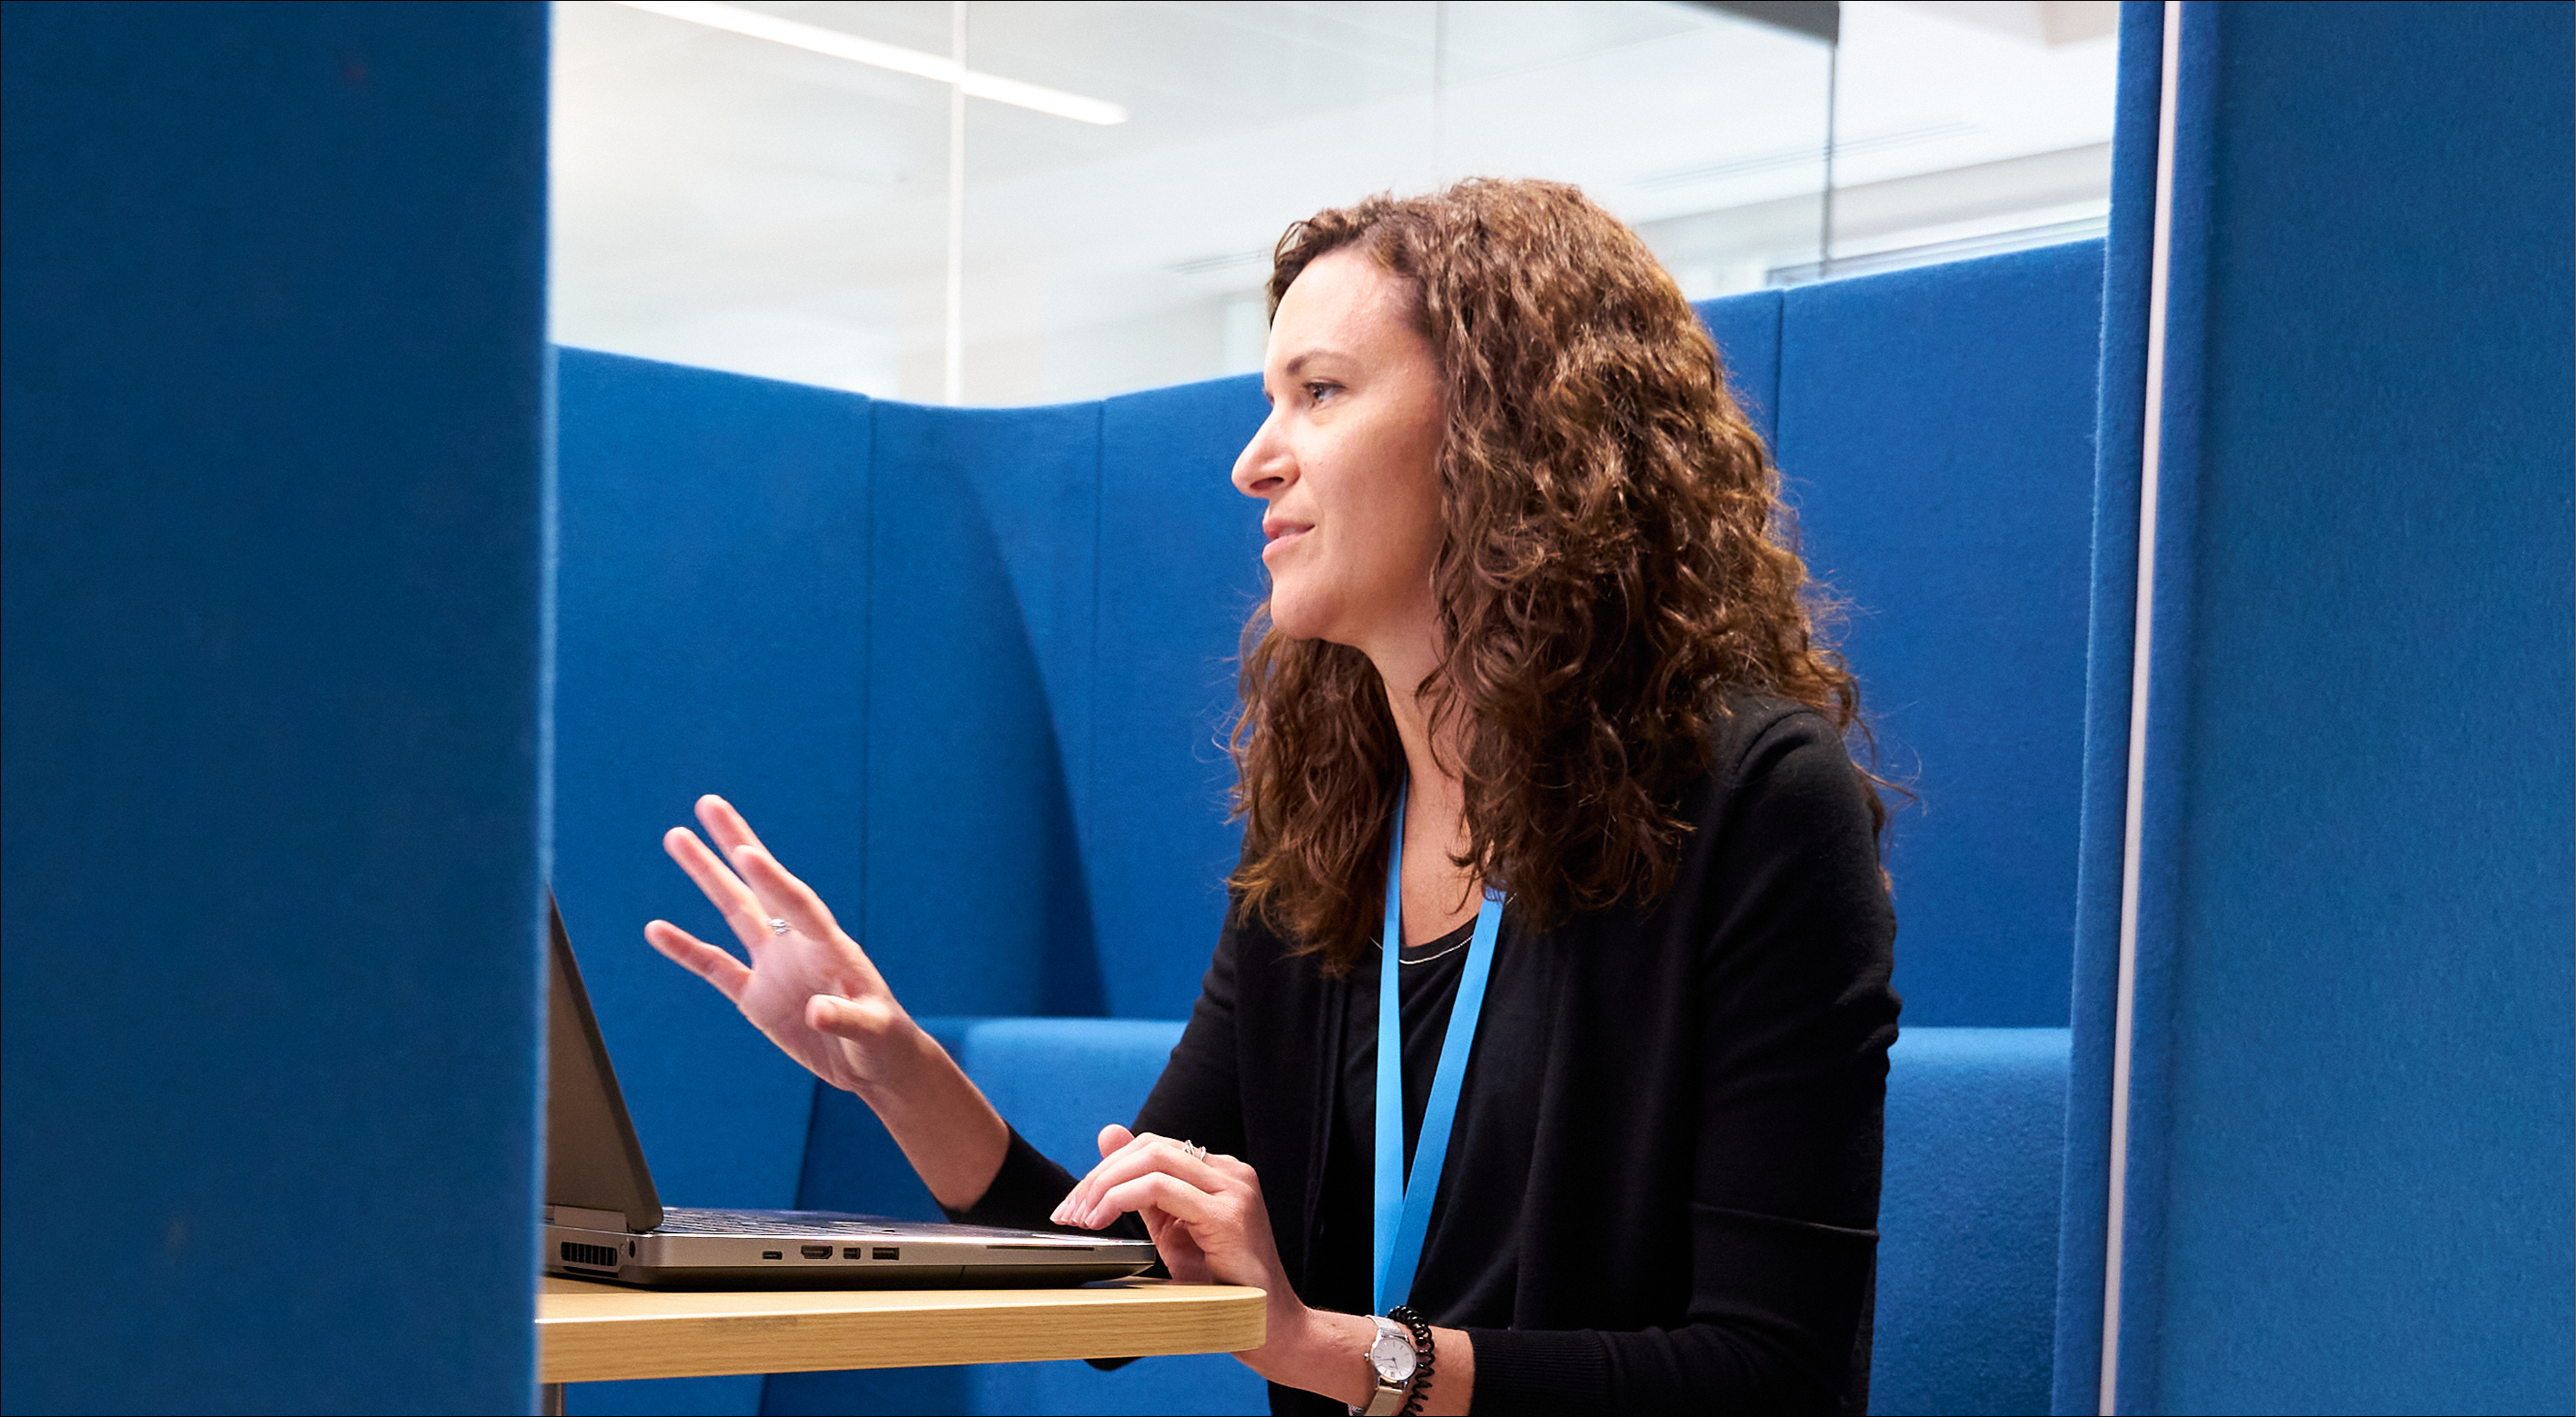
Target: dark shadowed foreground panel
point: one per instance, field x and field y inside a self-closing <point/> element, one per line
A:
<point x="274" y="518"/>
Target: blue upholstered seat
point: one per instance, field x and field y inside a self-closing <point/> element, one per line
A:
<point x="1967" y="1259"/>
<point x="1967" y="1220"/>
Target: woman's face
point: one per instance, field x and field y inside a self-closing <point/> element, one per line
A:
<point x="1347" y="461"/>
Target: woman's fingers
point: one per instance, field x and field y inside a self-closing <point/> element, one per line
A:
<point x="725" y="826"/>
<point x="699" y="958"/>
<point x="1160" y="1190"/>
<point x="1143" y="1155"/>
<point x="781" y="894"/>
<point x="1122" y="1162"/>
<point x="1086" y="1192"/>
<point x="1113" y="1139"/>
<point x="739" y="905"/>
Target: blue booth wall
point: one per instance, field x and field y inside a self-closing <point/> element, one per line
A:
<point x="278" y="699"/>
<point x="2351" y="1091"/>
<point x="271" y="717"/>
<point x="969" y="671"/>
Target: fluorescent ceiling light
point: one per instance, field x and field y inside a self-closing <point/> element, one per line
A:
<point x="938" y="68"/>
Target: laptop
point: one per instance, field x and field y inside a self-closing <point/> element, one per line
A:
<point x="604" y="1220"/>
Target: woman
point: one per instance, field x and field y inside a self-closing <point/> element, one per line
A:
<point x="1535" y="641"/>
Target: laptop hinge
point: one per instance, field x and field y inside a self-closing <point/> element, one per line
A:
<point x="575" y="1217"/>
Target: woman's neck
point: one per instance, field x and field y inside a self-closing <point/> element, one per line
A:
<point x="1437" y="894"/>
<point x="1430" y="759"/>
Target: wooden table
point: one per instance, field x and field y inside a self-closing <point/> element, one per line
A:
<point x="587" y="1332"/>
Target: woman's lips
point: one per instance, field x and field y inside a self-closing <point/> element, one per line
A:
<point x="1282" y="537"/>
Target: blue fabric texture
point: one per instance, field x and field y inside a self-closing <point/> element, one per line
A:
<point x="277" y="622"/>
<point x="1180" y="570"/>
<point x="1746" y="329"/>
<point x="713" y="529"/>
<point x="271" y="707"/>
<point x="1936" y="436"/>
<point x="2354" y="1106"/>
<point x="2111" y="642"/>
<point x="966" y="783"/>
<point x="1967" y="1250"/>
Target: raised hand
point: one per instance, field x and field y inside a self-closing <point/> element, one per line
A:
<point x="809" y="987"/>
<point x="814" y="992"/>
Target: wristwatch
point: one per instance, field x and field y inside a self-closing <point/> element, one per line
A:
<point x="1391" y="1362"/>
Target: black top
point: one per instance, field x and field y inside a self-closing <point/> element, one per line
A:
<point x="1662" y="1184"/>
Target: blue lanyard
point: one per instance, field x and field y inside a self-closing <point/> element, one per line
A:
<point x="1404" y="1203"/>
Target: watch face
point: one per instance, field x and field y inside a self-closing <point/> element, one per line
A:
<point x="1392" y="1355"/>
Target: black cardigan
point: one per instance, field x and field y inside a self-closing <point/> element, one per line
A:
<point x="1671" y="1119"/>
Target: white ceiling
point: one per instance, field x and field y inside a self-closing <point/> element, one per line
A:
<point x="727" y="201"/>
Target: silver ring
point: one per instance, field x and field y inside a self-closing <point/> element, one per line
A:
<point x="778" y="926"/>
<point x="1196" y="1151"/>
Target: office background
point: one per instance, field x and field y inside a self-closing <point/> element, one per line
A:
<point x="342" y="610"/>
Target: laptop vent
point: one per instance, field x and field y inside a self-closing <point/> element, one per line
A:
<point x="600" y="1255"/>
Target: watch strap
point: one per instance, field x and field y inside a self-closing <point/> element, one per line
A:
<point x="1425" y="1353"/>
<point x="1391" y="1398"/>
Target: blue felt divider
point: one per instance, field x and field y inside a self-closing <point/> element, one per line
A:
<point x="271" y="710"/>
<point x="975" y="899"/>
<point x="1747" y="330"/>
<point x="2110" y="644"/>
<point x="1180" y="568"/>
<point x="2353" y="1116"/>
<point x="1936" y="434"/>
<point x="1967" y="1220"/>
<point x="715" y="531"/>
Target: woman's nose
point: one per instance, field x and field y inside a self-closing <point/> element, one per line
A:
<point x="1265" y="468"/>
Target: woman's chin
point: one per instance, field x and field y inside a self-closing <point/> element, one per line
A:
<point x="1297" y="616"/>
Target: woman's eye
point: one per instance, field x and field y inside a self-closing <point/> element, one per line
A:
<point x="1317" y="393"/>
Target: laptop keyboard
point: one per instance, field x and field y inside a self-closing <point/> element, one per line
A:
<point x="695" y="1220"/>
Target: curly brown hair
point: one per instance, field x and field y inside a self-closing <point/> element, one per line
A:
<point x="1615" y="561"/>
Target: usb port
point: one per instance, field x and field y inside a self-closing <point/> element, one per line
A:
<point x="769" y="1254"/>
<point x="888" y="1252"/>
<point x="816" y="1252"/>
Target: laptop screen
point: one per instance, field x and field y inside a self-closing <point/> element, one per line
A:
<point x="593" y="1159"/>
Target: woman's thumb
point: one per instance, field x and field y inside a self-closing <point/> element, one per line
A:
<point x="1113" y="1137"/>
<point x="854" y="1019"/>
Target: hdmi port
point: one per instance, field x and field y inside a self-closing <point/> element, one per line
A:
<point x="816" y="1252"/>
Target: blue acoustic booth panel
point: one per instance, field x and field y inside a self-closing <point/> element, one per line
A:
<point x="1936" y="437"/>
<point x="2353" y="1082"/>
<point x="714" y="637"/>
<point x="979" y="647"/>
<point x="272" y="541"/>
<point x="1059" y="1080"/>
<point x="1967" y="1220"/>
<point x="2119" y="437"/>
<point x="1747" y="331"/>
<point x="1180" y="570"/>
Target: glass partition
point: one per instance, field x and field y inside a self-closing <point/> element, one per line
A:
<point x="1086" y="204"/>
